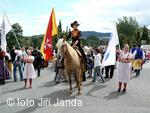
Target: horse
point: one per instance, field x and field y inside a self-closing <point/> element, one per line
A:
<point x="72" y="63"/>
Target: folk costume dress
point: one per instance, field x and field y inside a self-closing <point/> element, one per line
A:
<point x="124" y="69"/>
<point x="4" y="73"/>
<point x="139" y="56"/>
<point x="29" y="72"/>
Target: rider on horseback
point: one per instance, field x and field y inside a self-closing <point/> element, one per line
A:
<point x="75" y="35"/>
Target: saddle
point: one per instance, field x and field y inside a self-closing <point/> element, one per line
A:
<point x="84" y="65"/>
<point x="78" y="52"/>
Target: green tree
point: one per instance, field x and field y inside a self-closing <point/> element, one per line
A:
<point x="84" y="42"/>
<point x="67" y="30"/>
<point x="32" y="41"/>
<point x="93" y="41"/>
<point x="26" y="42"/>
<point x="59" y="29"/>
<point x="127" y="28"/>
<point x="36" y="41"/>
<point x="10" y="37"/>
<point x="145" y="35"/>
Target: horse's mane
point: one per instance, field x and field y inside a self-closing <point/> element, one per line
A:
<point x="60" y="44"/>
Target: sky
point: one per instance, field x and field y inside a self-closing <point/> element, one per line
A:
<point x="93" y="15"/>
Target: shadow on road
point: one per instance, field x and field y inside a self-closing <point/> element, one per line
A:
<point x="9" y="81"/>
<point x="94" y="89"/>
<point x="113" y="95"/>
<point x="15" y="90"/>
<point x="53" y="97"/>
<point x="61" y="94"/>
<point x="134" y="77"/>
<point x="48" y="84"/>
<point x="31" y="109"/>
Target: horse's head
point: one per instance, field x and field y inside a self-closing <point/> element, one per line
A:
<point x="61" y="45"/>
<point x="64" y="47"/>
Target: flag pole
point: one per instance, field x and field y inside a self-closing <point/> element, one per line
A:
<point x="118" y="37"/>
<point x="12" y="30"/>
<point x="16" y="38"/>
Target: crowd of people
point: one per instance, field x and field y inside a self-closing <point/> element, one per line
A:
<point x="29" y="60"/>
<point x="26" y="60"/>
<point x="128" y="61"/>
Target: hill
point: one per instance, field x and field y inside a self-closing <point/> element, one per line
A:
<point x="86" y="34"/>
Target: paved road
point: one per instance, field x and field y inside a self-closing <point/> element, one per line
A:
<point x="96" y="97"/>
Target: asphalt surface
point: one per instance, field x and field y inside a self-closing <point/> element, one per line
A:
<point x="96" y="97"/>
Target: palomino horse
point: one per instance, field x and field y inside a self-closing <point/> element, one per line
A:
<point x="72" y="63"/>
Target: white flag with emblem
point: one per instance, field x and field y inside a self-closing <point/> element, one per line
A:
<point x="5" y="28"/>
<point x="110" y="54"/>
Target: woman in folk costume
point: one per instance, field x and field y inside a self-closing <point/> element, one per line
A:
<point x="9" y="63"/>
<point x="75" y="35"/>
<point x="4" y="73"/>
<point x="29" y="72"/>
<point x="124" y="68"/>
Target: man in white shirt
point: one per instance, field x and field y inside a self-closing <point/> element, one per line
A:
<point x="18" y="63"/>
<point x="97" y="65"/>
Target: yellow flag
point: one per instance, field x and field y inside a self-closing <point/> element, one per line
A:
<point x="54" y="30"/>
<point x="46" y="46"/>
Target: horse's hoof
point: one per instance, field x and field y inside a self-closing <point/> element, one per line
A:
<point x="75" y="86"/>
<point x="70" y="93"/>
<point x="79" y="93"/>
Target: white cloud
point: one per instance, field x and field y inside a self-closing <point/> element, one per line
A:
<point x="100" y="15"/>
<point x="4" y="4"/>
<point x="31" y="25"/>
<point x="93" y="15"/>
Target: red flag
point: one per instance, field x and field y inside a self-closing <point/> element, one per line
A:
<point x="46" y="47"/>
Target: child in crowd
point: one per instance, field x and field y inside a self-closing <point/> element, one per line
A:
<point x="97" y="65"/>
<point x="29" y="72"/>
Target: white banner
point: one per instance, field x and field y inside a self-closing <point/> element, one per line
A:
<point x="5" y="28"/>
<point x="110" y="54"/>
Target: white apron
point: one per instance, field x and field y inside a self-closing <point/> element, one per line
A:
<point x="124" y="69"/>
<point x="29" y="71"/>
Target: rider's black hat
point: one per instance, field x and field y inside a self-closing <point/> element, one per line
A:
<point x="75" y="23"/>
